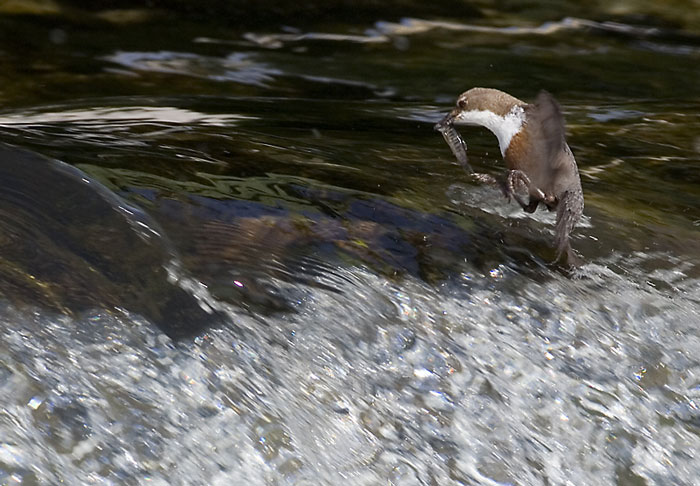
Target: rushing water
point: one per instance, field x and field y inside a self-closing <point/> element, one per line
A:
<point x="258" y="263"/>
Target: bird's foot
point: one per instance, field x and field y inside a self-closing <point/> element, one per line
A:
<point x="516" y="178"/>
<point x="550" y="201"/>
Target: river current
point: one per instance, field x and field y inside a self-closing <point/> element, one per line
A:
<point x="236" y="251"/>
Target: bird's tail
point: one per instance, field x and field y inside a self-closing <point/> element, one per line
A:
<point x="569" y="211"/>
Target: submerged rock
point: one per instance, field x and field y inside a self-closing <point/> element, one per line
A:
<point x="69" y="244"/>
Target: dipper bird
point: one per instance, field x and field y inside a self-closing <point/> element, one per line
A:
<point x="533" y="144"/>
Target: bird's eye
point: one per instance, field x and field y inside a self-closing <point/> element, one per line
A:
<point x="462" y="103"/>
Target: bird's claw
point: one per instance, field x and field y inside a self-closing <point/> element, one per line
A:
<point x="517" y="177"/>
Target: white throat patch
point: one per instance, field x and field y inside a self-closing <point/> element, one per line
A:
<point x="504" y="127"/>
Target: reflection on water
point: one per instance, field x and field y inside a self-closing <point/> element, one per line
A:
<point x="235" y="67"/>
<point x="378" y="318"/>
<point x="111" y="117"/>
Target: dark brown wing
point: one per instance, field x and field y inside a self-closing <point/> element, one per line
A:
<point x="557" y="167"/>
<point x="547" y="129"/>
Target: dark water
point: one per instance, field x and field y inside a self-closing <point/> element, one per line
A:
<point x="263" y="184"/>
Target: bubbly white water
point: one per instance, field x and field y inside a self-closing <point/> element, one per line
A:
<point x="561" y="382"/>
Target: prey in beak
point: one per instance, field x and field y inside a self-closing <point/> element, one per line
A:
<point x="454" y="140"/>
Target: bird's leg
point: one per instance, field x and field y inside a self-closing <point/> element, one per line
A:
<point x="507" y="186"/>
<point x="516" y="177"/>
<point x="537" y="195"/>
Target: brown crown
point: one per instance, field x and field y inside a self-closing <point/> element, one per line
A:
<point x="489" y="99"/>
